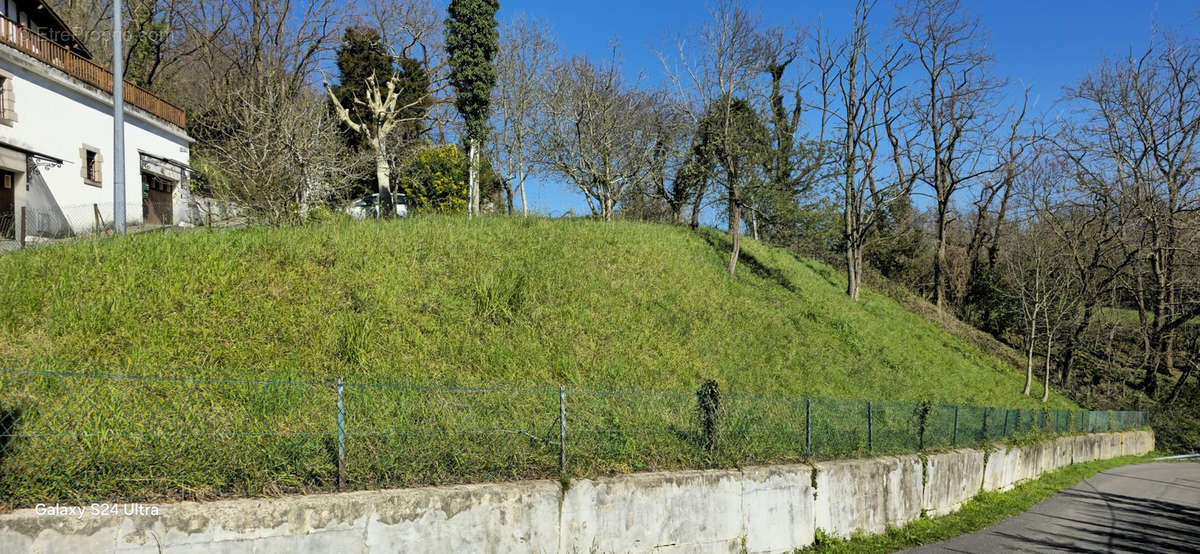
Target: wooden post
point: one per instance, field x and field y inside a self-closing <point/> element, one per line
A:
<point x="99" y="220"/>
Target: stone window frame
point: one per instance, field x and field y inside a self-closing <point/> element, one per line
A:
<point x="96" y="179"/>
<point x="8" y="100"/>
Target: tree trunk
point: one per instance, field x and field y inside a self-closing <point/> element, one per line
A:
<point x="1046" y="382"/>
<point x="697" y="203"/>
<point x="521" y="185"/>
<point x="1073" y="340"/>
<point x="472" y="178"/>
<point x="939" y="262"/>
<point x="754" y="223"/>
<point x="383" y="175"/>
<point x="1029" y="355"/>
<point x="853" y="268"/>
<point x="302" y="195"/>
<point x="1171" y="398"/>
<point x="735" y="231"/>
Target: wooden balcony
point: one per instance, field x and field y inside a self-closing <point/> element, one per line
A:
<point x="33" y="44"/>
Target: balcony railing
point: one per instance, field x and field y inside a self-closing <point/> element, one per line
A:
<point x="33" y="44"/>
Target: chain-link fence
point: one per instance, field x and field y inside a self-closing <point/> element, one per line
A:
<point x="80" y="437"/>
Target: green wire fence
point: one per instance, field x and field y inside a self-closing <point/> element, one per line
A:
<point x="82" y="437"/>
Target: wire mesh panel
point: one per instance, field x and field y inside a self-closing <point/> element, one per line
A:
<point x="895" y="427"/>
<point x="400" y="435"/>
<point x="971" y="426"/>
<point x="79" y="437"/>
<point x="627" y="431"/>
<point x="1123" y="421"/>
<point x="759" y="429"/>
<point x="938" y="430"/>
<point x="839" y="429"/>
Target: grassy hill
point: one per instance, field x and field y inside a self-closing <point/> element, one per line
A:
<point x="201" y="364"/>
<point x="622" y="305"/>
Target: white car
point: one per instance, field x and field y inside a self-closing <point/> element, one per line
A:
<point x="368" y="206"/>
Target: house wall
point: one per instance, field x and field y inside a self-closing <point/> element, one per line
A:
<point x="57" y="115"/>
<point x="760" y="509"/>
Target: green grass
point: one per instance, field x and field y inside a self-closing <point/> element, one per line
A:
<point x="496" y="300"/>
<point x="981" y="512"/>
<point x="516" y="306"/>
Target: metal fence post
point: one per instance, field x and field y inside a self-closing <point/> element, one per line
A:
<point x="954" y="436"/>
<point x="986" y="410"/>
<point x="21" y="229"/>
<point x="1007" y="412"/>
<point x="808" y="425"/>
<point x="341" y="437"/>
<point x="562" y="429"/>
<point x="870" y="430"/>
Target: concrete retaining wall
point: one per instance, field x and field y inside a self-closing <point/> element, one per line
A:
<point x="766" y="509"/>
<point x="867" y="495"/>
<point x="952" y="478"/>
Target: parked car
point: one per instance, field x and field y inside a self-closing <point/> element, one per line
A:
<point x="368" y="206"/>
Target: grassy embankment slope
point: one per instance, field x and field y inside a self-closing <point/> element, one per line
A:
<point x="624" y="305"/>
<point x="516" y="306"/>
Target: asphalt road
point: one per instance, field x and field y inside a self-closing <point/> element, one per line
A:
<point x="1148" y="508"/>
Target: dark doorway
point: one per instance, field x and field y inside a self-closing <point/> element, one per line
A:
<point x="8" y="211"/>
<point x="157" y="205"/>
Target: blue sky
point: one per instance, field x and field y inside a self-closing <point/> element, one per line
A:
<point x="1043" y="44"/>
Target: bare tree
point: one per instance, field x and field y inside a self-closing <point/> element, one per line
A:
<point x="1091" y="216"/>
<point x="278" y="152"/>
<point x="527" y="54"/>
<point x="858" y="85"/>
<point x="1029" y="271"/>
<point x="1060" y="312"/>
<point x="951" y="108"/>
<point x="714" y="69"/>
<point x="993" y="198"/>
<point x="1143" y="113"/>
<point x="675" y="177"/>
<point x="594" y="132"/>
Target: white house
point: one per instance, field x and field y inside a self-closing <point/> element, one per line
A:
<point x="56" y="143"/>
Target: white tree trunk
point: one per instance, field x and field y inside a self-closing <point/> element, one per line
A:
<point x="473" y="178"/>
<point x="383" y="174"/>
<point x="735" y="231"/>
<point x="1029" y="355"/>
<point x="521" y="186"/>
<point x="1046" y="384"/>
<point x="853" y="270"/>
<point x="303" y="198"/>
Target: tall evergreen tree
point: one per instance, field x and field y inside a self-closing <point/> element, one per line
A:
<point x="472" y="41"/>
